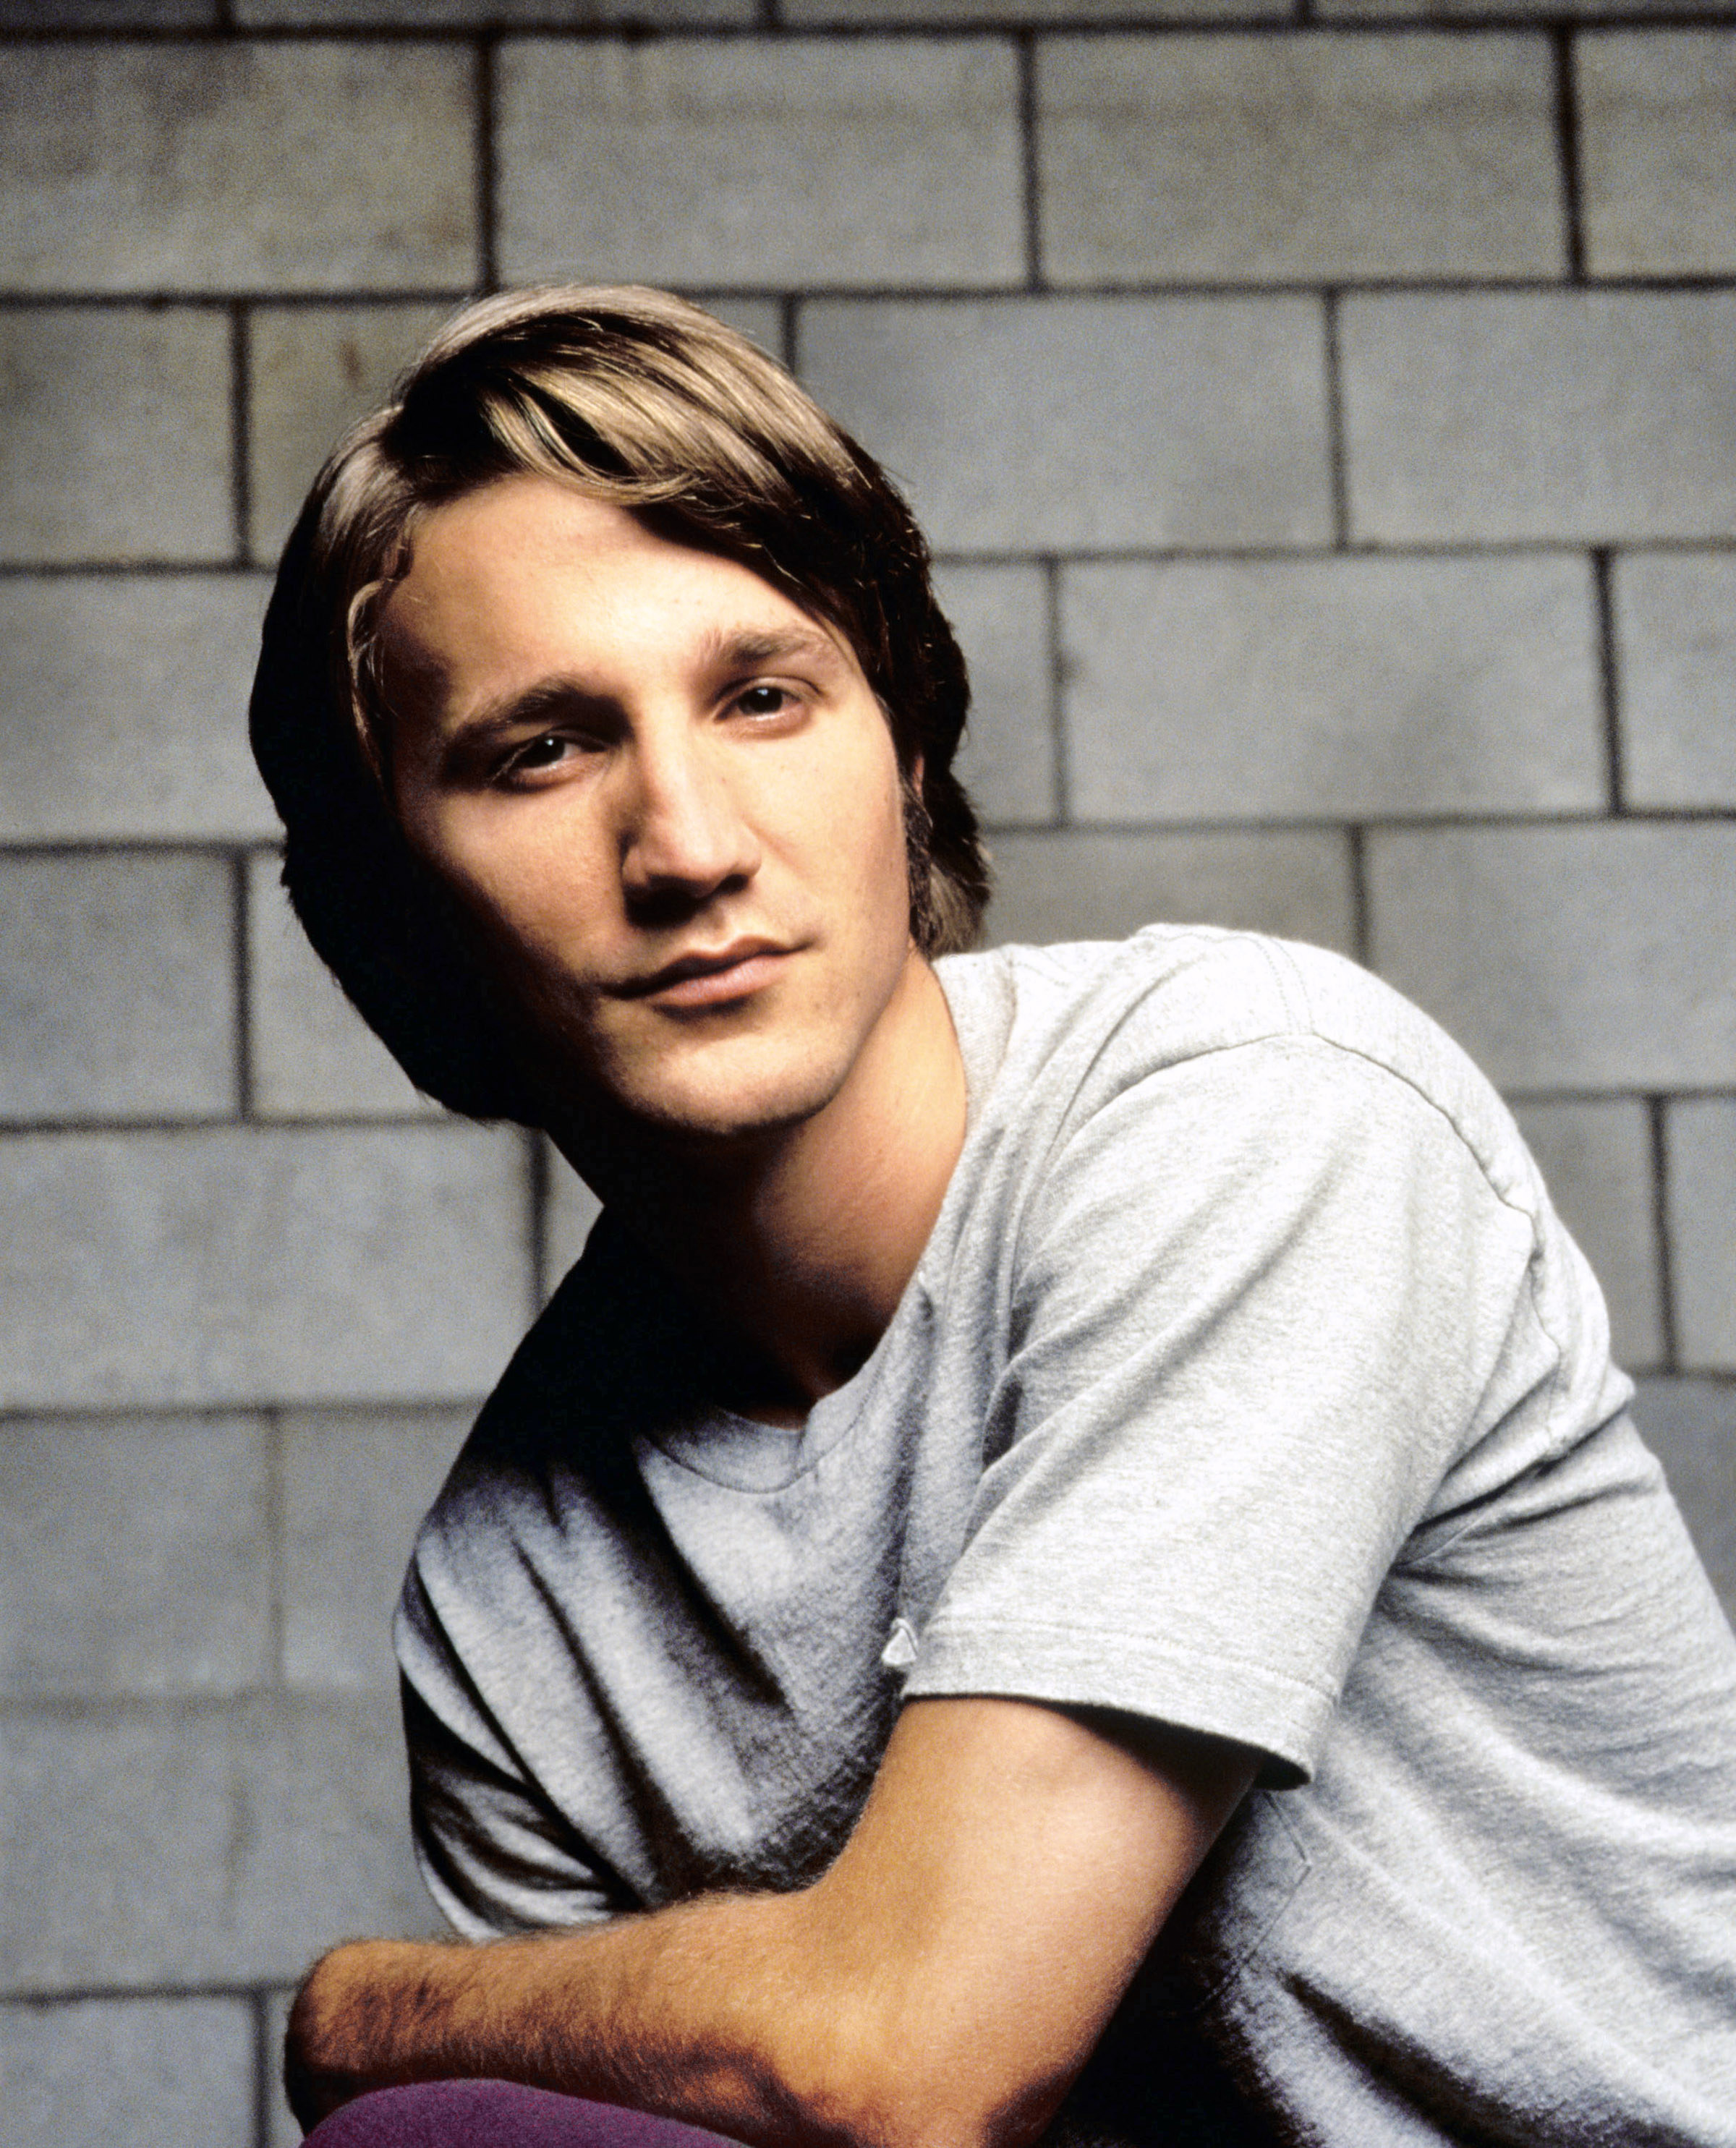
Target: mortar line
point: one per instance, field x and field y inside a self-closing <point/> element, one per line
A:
<point x="1656" y="1107"/>
<point x="241" y="960"/>
<point x="1570" y="1092"/>
<point x="1158" y="831"/>
<point x="1609" y="683"/>
<point x="1063" y="789"/>
<point x="232" y="1407"/>
<point x="1338" y="472"/>
<point x="1362" y="933"/>
<point x="277" y="1527"/>
<point x="86" y="1995"/>
<point x="998" y="291"/>
<point x="1025" y="48"/>
<point x="241" y="431"/>
<point x="1567" y="144"/>
<point x="910" y="30"/>
<point x="786" y="306"/>
<point x="487" y="170"/>
<point x="264" y="2073"/>
<point x="289" y="1125"/>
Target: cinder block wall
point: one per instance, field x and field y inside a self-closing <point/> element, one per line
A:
<point x="1328" y="426"/>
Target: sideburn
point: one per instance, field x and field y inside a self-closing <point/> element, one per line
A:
<point x="919" y="830"/>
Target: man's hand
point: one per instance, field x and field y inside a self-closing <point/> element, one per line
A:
<point x="939" y="1988"/>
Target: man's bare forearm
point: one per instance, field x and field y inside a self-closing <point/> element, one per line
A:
<point x="939" y="1988"/>
<point x="698" y="2012"/>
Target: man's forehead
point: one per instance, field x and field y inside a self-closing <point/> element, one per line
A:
<point x="517" y="529"/>
<point x="530" y="587"/>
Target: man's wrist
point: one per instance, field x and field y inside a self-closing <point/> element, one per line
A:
<point x="347" y="2028"/>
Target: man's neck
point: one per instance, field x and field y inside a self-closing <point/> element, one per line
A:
<point x="798" y="1246"/>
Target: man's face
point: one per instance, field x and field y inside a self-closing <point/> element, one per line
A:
<point x="665" y="796"/>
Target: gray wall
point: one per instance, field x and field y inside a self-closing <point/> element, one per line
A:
<point x="1329" y="432"/>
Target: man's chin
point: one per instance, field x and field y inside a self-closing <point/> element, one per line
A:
<point x="726" y="1122"/>
<point x="710" y="1116"/>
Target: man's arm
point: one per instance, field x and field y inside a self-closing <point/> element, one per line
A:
<point x="939" y="1988"/>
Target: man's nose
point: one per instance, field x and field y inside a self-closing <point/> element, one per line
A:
<point x="682" y="831"/>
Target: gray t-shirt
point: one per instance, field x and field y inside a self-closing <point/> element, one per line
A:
<point x="1249" y="1382"/>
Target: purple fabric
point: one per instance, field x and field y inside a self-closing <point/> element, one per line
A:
<point x="493" y="2114"/>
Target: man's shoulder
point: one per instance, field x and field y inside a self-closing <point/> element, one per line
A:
<point x="1206" y="985"/>
<point x="1187" y="1058"/>
<point x="1106" y="1013"/>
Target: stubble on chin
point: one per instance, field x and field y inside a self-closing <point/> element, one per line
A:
<point x="708" y="1101"/>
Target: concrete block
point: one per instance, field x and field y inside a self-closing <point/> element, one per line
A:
<point x="486" y="14"/>
<point x="115" y="2073"/>
<point x="314" y="370"/>
<point x="137" y="1557"/>
<point x="1595" y="1158"/>
<point x="1076" y="884"/>
<point x="571" y="1210"/>
<point x="1329" y="688"/>
<point x="1700" y="1180"/>
<point x="752" y="163"/>
<point x="313" y="1058"/>
<point x="129" y="411"/>
<point x="355" y="1488"/>
<point x="1580" y="957"/>
<point x="1690" y="1425"/>
<point x="152" y="1845"/>
<point x="1058" y="425"/>
<point x="1569" y="417"/>
<point x="1001" y="615"/>
<point x="116" y="986"/>
<point x="158" y="669"/>
<point x="1250" y="159"/>
<point x="1675" y="627"/>
<point x="305" y="166"/>
<point x="1657" y="152"/>
<point x="256" y="1264"/>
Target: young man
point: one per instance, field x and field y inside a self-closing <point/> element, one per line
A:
<point x="1070" y="1556"/>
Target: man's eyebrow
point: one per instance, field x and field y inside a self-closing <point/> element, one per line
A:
<point x="548" y="697"/>
<point x="749" y="646"/>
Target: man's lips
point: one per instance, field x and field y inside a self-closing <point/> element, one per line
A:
<point x="710" y="976"/>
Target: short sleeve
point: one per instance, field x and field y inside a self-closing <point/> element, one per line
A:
<point x="493" y="1853"/>
<point x="1260" y="1299"/>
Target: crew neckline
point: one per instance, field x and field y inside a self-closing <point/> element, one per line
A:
<point x="745" y="1454"/>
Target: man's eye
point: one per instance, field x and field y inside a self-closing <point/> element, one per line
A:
<point x="764" y="701"/>
<point x="536" y="754"/>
